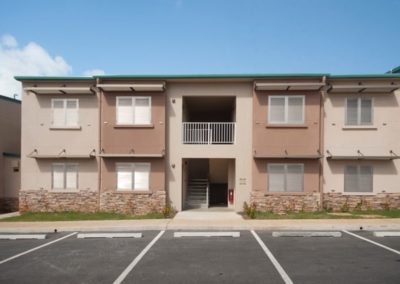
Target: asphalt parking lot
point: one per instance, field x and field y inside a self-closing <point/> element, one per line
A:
<point x="161" y="257"/>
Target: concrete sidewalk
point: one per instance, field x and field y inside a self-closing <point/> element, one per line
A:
<point x="200" y="221"/>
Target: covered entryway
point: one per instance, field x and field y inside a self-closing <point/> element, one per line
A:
<point x="206" y="182"/>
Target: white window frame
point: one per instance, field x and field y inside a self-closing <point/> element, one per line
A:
<point x="358" y="179"/>
<point x="133" y="100"/>
<point x="285" y="165"/>
<point x="359" y="111"/>
<point x="132" y="166"/>
<point x="64" y="165"/>
<point x="64" y="100"/>
<point x="286" y="109"/>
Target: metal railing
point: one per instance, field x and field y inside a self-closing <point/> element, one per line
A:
<point x="208" y="132"/>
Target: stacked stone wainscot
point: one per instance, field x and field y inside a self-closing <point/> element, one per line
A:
<point x="285" y="202"/>
<point x="341" y="202"/>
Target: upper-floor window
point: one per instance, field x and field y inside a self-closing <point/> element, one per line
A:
<point x="285" y="177"/>
<point x="65" y="112"/>
<point x="65" y="176"/>
<point x="359" y="111"/>
<point x="358" y="178"/>
<point x="133" y="176"/>
<point x="286" y="109"/>
<point x="133" y="110"/>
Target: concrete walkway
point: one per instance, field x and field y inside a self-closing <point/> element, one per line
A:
<point x="200" y="220"/>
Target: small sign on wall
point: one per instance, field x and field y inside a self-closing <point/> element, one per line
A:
<point x="242" y="181"/>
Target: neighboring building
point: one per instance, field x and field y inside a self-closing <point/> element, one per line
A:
<point x="284" y="142"/>
<point x="10" y="145"/>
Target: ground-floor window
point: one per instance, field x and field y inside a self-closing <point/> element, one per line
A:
<point x="285" y="177"/>
<point x="358" y="178"/>
<point x="133" y="176"/>
<point x="65" y="176"/>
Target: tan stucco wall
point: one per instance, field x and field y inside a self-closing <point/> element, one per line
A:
<point x="240" y="151"/>
<point x="11" y="179"/>
<point x="296" y="140"/>
<point x="143" y="140"/>
<point x="10" y="142"/>
<point x="109" y="173"/>
<point x="36" y="134"/>
<point x="378" y="141"/>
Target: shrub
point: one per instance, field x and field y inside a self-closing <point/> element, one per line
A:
<point x="251" y="210"/>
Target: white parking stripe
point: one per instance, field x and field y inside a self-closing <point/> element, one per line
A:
<point x="137" y="259"/>
<point x="23" y="237"/>
<point x="372" y="242"/>
<point x="36" y="248"/>
<point x="271" y="257"/>
<point x="382" y="234"/>
<point x="109" y="235"/>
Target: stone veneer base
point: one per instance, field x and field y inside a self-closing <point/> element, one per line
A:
<point x="87" y="201"/>
<point x="340" y="202"/>
<point x="282" y="203"/>
<point x="8" y="204"/>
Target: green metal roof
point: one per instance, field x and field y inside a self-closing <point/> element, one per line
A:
<point x="52" y="78"/>
<point x="10" y="99"/>
<point x="206" y="76"/>
<point x="354" y="76"/>
<point x="394" y="70"/>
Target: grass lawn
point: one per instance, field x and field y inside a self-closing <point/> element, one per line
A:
<point x="78" y="216"/>
<point x="393" y="213"/>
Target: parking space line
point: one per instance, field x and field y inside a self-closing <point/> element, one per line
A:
<point x="36" y="248"/>
<point x="137" y="259"/>
<point x="271" y="257"/>
<point x="371" y="241"/>
<point x="306" y="234"/>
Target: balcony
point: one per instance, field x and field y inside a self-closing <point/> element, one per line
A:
<point x="208" y="132"/>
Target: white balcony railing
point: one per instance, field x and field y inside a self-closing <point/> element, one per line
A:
<point x="208" y="132"/>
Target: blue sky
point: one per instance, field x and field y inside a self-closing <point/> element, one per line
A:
<point x="182" y="36"/>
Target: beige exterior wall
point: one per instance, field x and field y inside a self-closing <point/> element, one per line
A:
<point x="240" y="151"/>
<point x="377" y="140"/>
<point x="37" y="134"/>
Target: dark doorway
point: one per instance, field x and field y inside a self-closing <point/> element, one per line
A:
<point x="218" y="194"/>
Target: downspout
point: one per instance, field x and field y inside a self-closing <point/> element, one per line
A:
<point x="321" y="142"/>
<point x="100" y="160"/>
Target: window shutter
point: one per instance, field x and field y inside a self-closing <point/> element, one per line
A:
<point x="295" y="110"/>
<point x="142" y="111"/>
<point x="72" y="113"/>
<point x="351" y="111"/>
<point x="142" y="176"/>
<point x="58" y="176"/>
<point x="365" y="179"/>
<point x="124" y="176"/>
<point x="350" y="178"/>
<point x="366" y="111"/>
<point x="58" y="113"/>
<point x="71" y="176"/>
<point x="276" y="177"/>
<point x="277" y="110"/>
<point x="294" y="178"/>
<point x="124" y="110"/>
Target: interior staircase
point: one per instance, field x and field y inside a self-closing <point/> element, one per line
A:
<point x="196" y="194"/>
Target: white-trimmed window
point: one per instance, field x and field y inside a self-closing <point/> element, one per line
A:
<point x="133" y="176"/>
<point x="285" y="177"/>
<point x="65" y="112"/>
<point x="133" y="110"/>
<point x="286" y="109"/>
<point x="358" y="178"/>
<point x="359" y="111"/>
<point x="65" y="176"/>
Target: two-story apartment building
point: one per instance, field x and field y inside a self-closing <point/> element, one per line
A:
<point x="10" y="139"/>
<point x="284" y="142"/>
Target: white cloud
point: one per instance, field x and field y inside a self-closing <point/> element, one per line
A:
<point x="93" y="72"/>
<point x="29" y="60"/>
